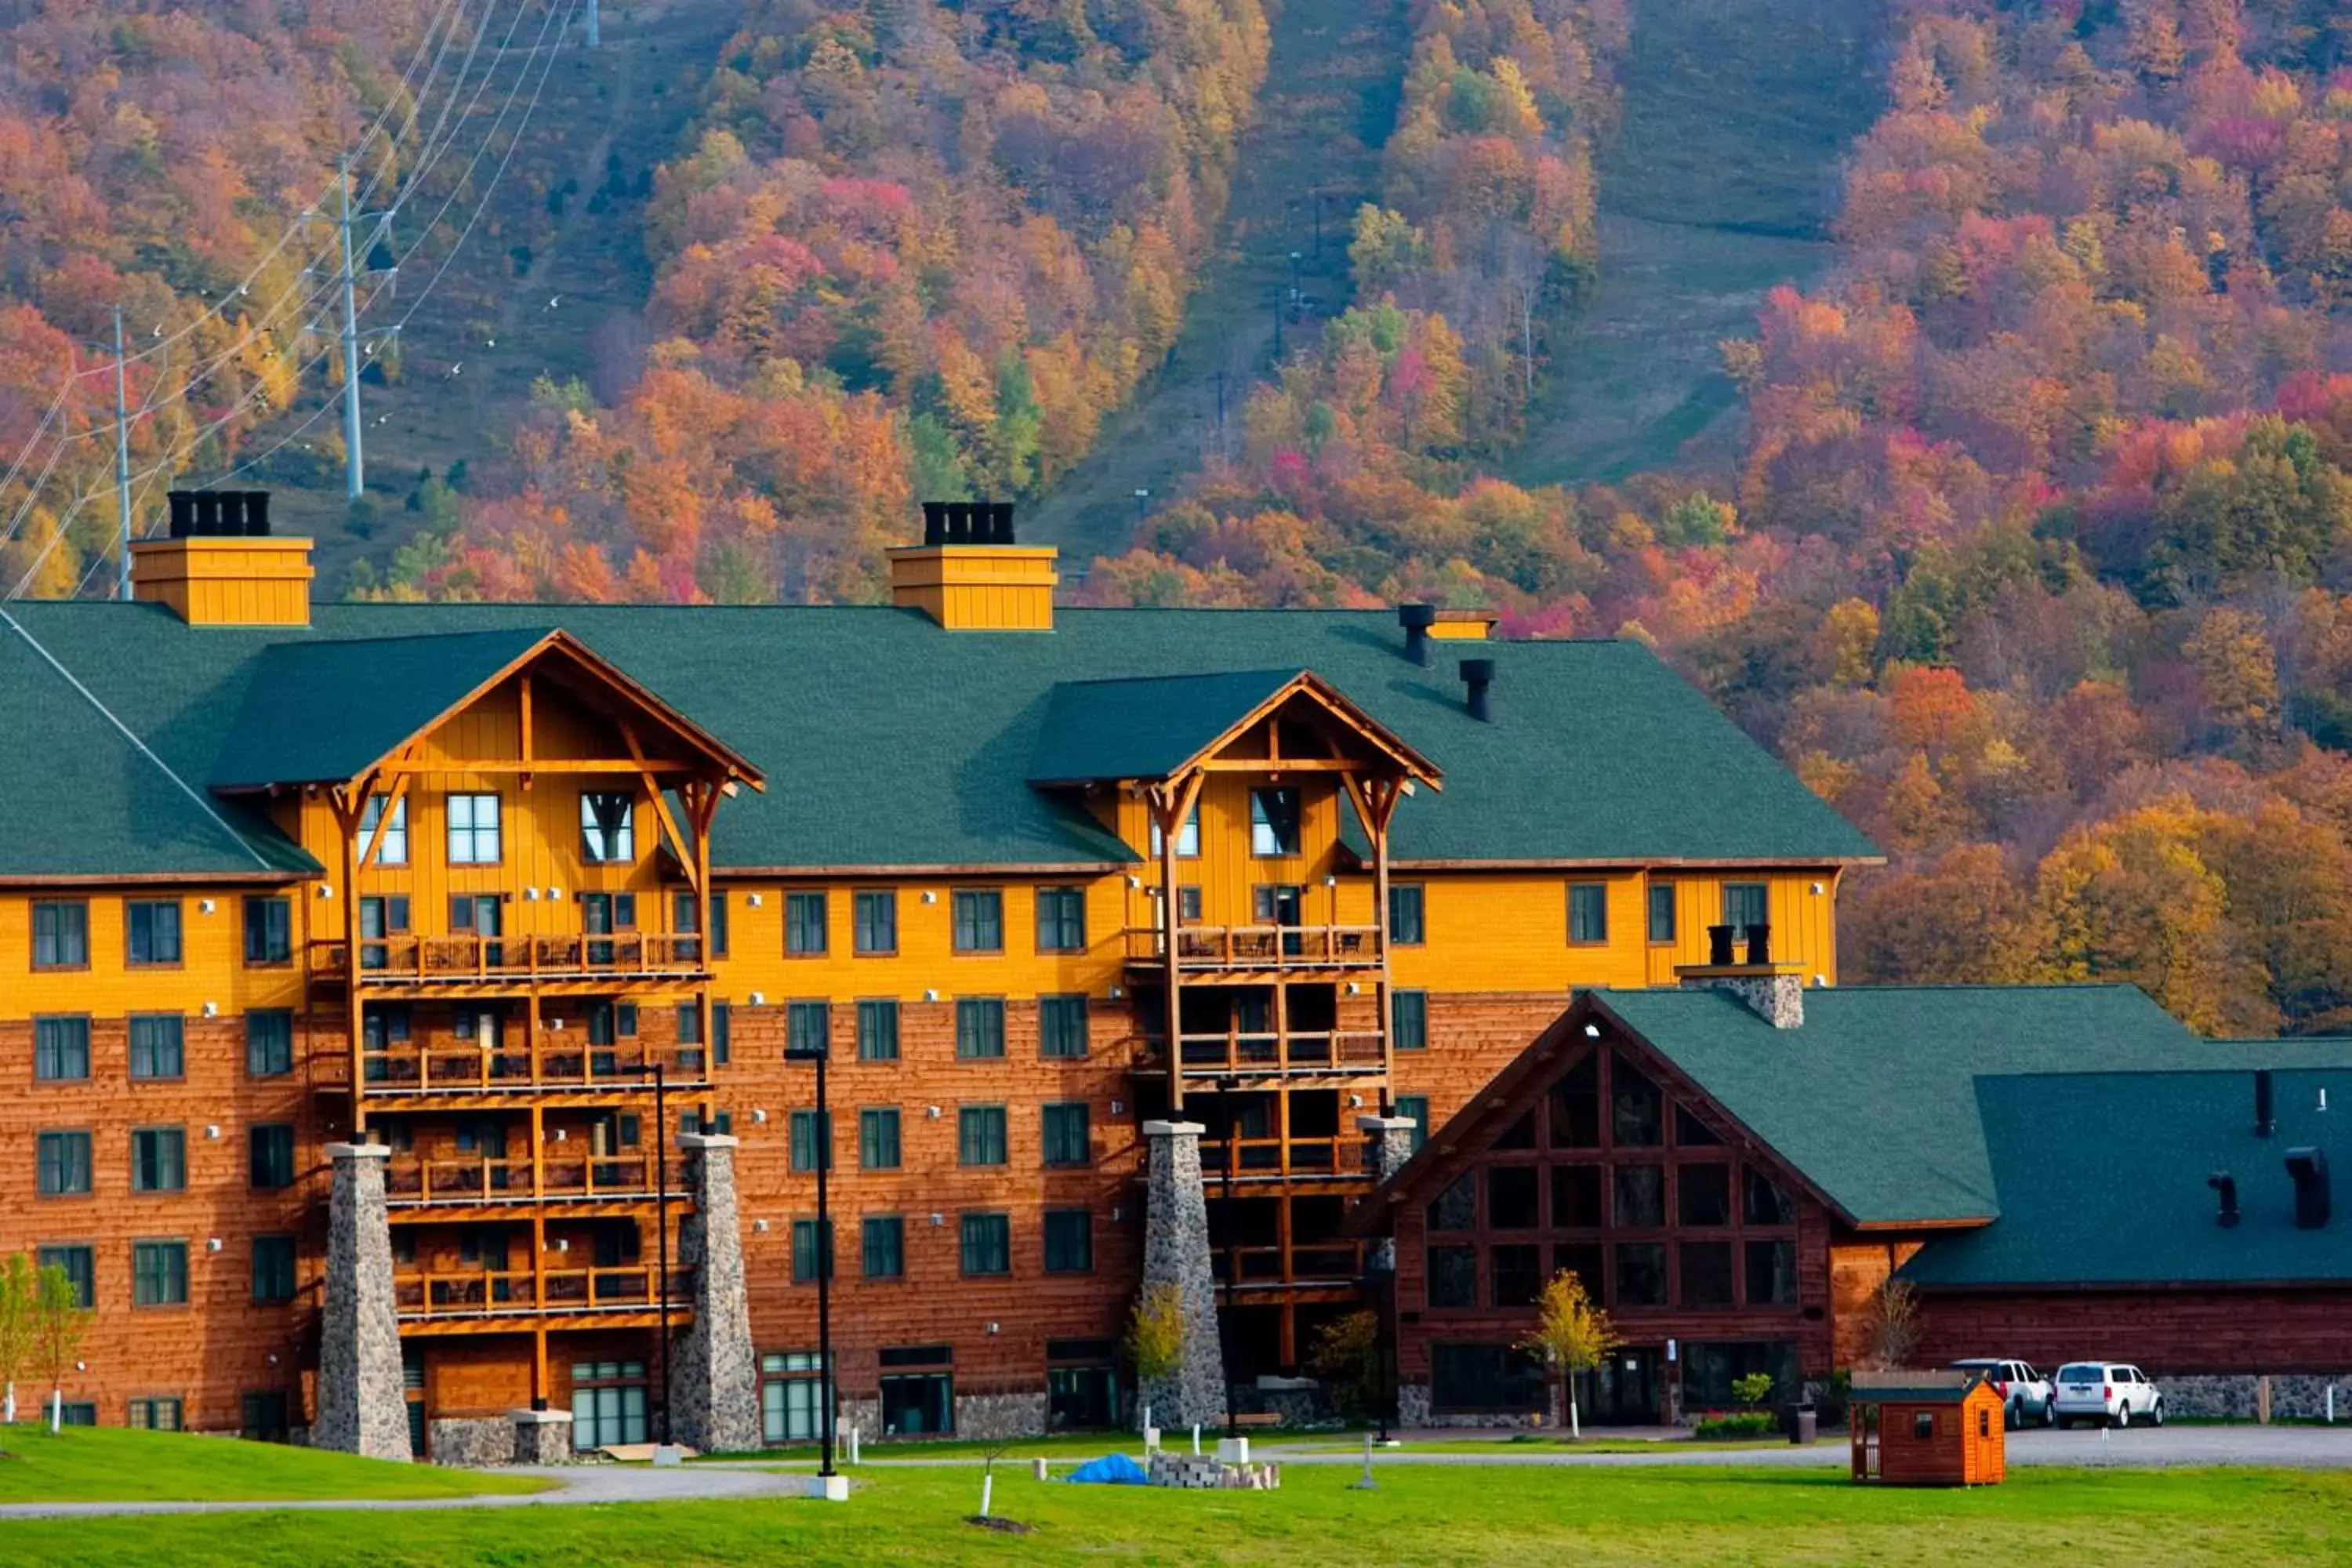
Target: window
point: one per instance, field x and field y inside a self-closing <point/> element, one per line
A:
<point x="689" y="1122"/>
<point x="804" y="920"/>
<point x="1707" y="1273"/>
<point x="155" y="1415"/>
<point x="380" y="917"/>
<point x="158" y="1160"/>
<point x="1061" y="920"/>
<point x="1405" y="927"/>
<point x="978" y="920"/>
<point x="608" y="833"/>
<point x="1065" y="1138"/>
<point x="1923" y="1425"/>
<point x="1485" y="1377"/>
<point x="1069" y="1241"/>
<point x="875" y="918"/>
<point x="151" y="930"/>
<point x="474" y="830"/>
<point x="1414" y="1108"/>
<point x="61" y="1047"/>
<point x="689" y="1034"/>
<point x="723" y="1034"/>
<point x="392" y="849"/>
<point x="269" y="930"/>
<point x="717" y="923"/>
<point x="1278" y="904"/>
<point x="159" y="1273"/>
<point x="1408" y="1020"/>
<point x="812" y="1140"/>
<point x="1771" y="1273"/>
<point x="1662" y="912"/>
<point x="1456" y="1208"/>
<point x="1588" y="912"/>
<point x="1576" y="1197"/>
<point x="1576" y="1105"/>
<point x="1188" y="837"/>
<point x="158" y="1045"/>
<point x="1062" y="1027"/>
<point x="1762" y="1200"/>
<point x="987" y="1244"/>
<point x="1188" y="906"/>
<point x="263" y="1417"/>
<point x="1745" y="904"/>
<point x="877" y="1139"/>
<point x="979" y="1135"/>
<point x="1641" y="1274"/>
<point x="877" y="1031"/>
<point x="269" y="1151"/>
<point x="60" y="933"/>
<point x="1274" y="821"/>
<point x="273" y="1269"/>
<point x="1452" y="1276"/>
<point x="1704" y="1195"/>
<point x="812" y="1250"/>
<point x="792" y="1397"/>
<point x="608" y="1404"/>
<point x="1511" y="1197"/>
<point x="64" y="1164"/>
<point x="1638" y="1112"/>
<point x="1516" y="1274"/>
<point x="79" y="1265"/>
<point x="269" y="1043"/>
<point x="980" y="1026"/>
<point x="808" y="1026"/>
<point x="386" y="1026"/>
<point x="1640" y="1197"/>
<point x="884" y="1248"/>
<point x="1690" y="1132"/>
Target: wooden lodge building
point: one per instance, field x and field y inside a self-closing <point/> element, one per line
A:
<point x="393" y="998"/>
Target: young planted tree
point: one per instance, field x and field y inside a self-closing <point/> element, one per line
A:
<point x="1891" y="1325"/>
<point x="18" y="1299"/>
<point x="1347" y="1356"/>
<point x="1572" y="1335"/>
<point x="1155" y="1338"/>
<point x="59" y="1321"/>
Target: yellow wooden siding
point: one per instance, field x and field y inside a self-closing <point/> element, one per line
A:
<point x="212" y="967"/>
<point x="226" y="582"/>
<point x="977" y="587"/>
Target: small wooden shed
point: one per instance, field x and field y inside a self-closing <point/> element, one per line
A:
<point x="1926" y="1429"/>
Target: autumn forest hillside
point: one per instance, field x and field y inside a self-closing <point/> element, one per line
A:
<point x="1959" y="392"/>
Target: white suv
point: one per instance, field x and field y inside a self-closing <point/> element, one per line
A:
<point x="2109" y="1393"/>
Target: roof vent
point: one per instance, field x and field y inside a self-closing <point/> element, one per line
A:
<point x="2226" y="1184"/>
<point x="1416" y="620"/>
<point x="2308" y="1166"/>
<point x="2265" y="1104"/>
<point x="1478" y="674"/>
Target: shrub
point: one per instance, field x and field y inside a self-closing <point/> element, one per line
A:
<point x="1735" y="1424"/>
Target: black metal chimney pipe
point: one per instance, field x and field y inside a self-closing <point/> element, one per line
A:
<point x="1479" y="675"/>
<point x="183" y="512"/>
<point x="2226" y="1184"/>
<point x="257" y="513"/>
<point x="1416" y="620"/>
<point x="2265" y="1104"/>
<point x="207" y="524"/>
<point x="232" y="514"/>
<point x="935" y="522"/>
<point x="2308" y="1166"/>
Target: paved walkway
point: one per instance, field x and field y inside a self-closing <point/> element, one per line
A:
<point x="574" y="1485"/>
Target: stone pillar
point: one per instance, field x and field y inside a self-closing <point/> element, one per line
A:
<point x="1391" y="1140"/>
<point x="714" y="1378"/>
<point x="1176" y="1252"/>
<point x="361" y="1407"/>
<point x="541" y="1436"/>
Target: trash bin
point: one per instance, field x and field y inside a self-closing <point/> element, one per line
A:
<point x="1800" y="1422"/>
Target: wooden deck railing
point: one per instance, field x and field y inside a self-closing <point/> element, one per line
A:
<point x="1317" y="1263"/>
<point x="455" y="1066"/>
<point x="1210" y="949"/>
<point x="428" y="961"/>
<point x="1206" y="1055"/>
<point x="421" y="1296"/>
<point x="1337" y="1154"/>
<point x="423" y="1182"/>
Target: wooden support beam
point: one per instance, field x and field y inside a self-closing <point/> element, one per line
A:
<point x="523" y="695"/>
<point x="1171" y="803"/>
<point x="685" y="851"/>
<point x="347" y="803"/>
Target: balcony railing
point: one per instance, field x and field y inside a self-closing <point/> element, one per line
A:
<point x="1339" y="1155"/>
<point x="1246" y="1052"/>
<point x="457" y="1066"/>
<point x="1322" y="1263"/>
<point x="458" y="961"/>
<point x="421" y="1296"/>
<point x="1257" y="949"/>
<point x="415" y="1183"/>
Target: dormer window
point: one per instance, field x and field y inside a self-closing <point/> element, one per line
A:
<point x="607" y="828"/>
<point x="1274" y="822"/>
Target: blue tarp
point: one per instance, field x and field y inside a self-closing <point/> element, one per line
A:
<point x="1111" y="1469"/>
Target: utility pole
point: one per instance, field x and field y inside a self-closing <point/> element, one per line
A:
<point x="354" y="464"/>
<point x="121" y="459"/>
<point x="593" y="38"/>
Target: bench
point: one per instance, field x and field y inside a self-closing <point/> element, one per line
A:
<point x="1257" y="1418"/>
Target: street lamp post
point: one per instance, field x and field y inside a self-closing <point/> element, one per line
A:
<point x="1225" y="1087"/>
<point x="824" y="1256"/>
<point x="1142" y="504"/>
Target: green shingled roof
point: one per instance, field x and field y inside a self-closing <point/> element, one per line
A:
<point x="1874" y="1099"/>
<point x="2101" y="1178"/>
<point x="1143" y="728"/>
<point x="328" y="710"/>
<point x="887" y="741"/>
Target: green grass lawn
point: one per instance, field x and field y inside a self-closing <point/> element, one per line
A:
<point x="112" y="1464"/>
<point x="1433" y="1514"/>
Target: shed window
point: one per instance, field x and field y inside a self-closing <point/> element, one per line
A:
<point x="1923" y="1425"/>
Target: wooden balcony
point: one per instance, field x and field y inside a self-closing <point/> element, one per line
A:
<point x="1295" y="1266"/>
<point x="507" y="1298"/>
<point x="462" y="964"/>
<point x="1260" y="1054"/>
<point x="1257" y="950"/>
<point x="412" y="1184"/>
<point x="565" y="1061"/>
<point x="1337" y="1156"/>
